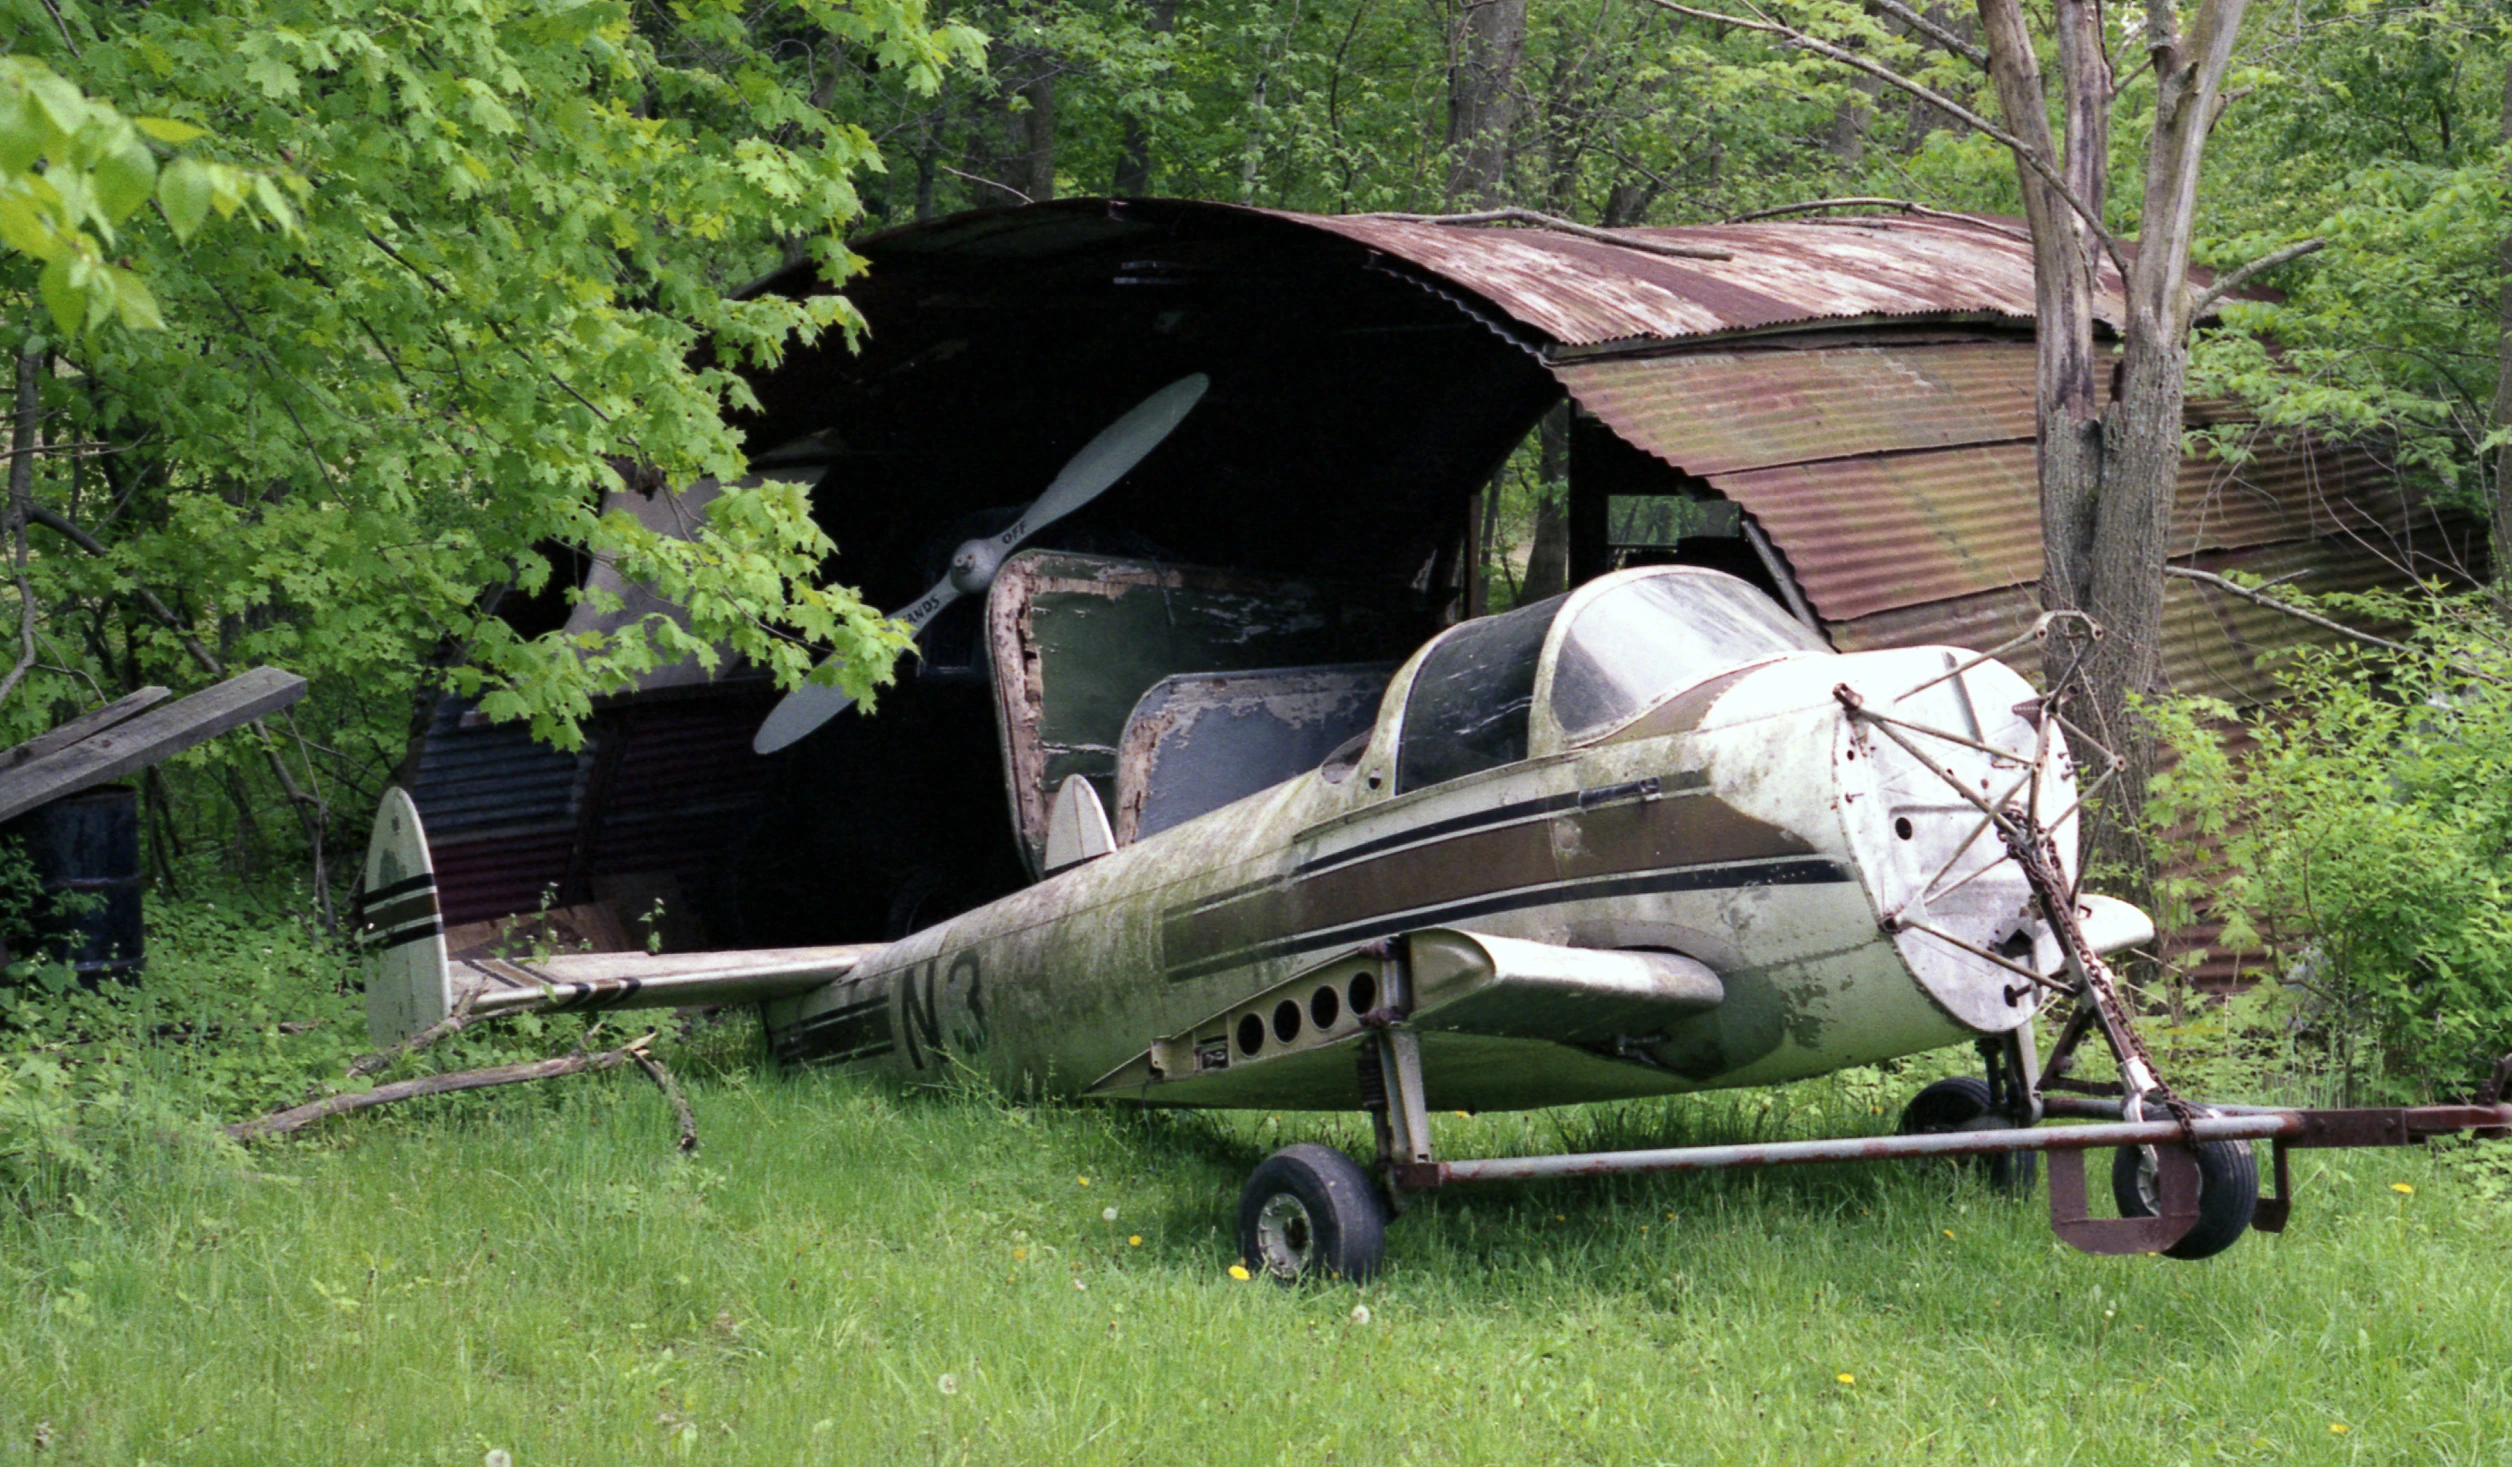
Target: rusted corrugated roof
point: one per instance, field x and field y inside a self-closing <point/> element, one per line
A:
<point x="1577" y="292"/>
<point x="1894" y="476"/>
<point x="1711" y="412"/>
<point x="1585" y="293"/>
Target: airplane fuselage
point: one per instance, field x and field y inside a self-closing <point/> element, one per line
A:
<point x="1747" y="825"/>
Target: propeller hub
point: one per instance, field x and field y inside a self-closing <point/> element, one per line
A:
<point x="973" y="566"/>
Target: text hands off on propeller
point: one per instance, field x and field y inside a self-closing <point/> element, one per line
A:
<point x="1087" y="475"/>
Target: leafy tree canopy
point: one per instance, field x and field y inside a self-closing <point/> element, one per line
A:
<point x="494" y="263"/>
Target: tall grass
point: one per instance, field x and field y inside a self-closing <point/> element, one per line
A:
<point x="851" y="1273"/>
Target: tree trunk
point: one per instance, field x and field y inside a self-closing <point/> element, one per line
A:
<point x="1036" y="176"/>
<point x="2107" y="480"/>
<point x="1548" y="562"/>
<point x="1133" y="158"/>
<point x="1482" y="103"/>
<point x="2503" y="378"/>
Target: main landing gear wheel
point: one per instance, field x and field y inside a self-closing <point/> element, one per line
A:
<point x="2228" y="1193"/>
<point x="1962" y="1104"/>
<point x="1310" y="1212"/>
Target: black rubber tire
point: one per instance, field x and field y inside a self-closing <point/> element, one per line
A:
<point x="2228" y="1194"/>
<point x="1962" y="1104"/>
<point x="1327" y="1218"/>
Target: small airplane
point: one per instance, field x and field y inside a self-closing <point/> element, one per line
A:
<point x="1649" y="837"/>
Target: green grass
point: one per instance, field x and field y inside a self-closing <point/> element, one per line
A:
<point x="848" y="1273"/>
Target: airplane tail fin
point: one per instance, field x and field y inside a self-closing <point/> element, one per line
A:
<point x="412" y="984"/>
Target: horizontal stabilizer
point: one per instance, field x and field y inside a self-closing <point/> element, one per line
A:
<point x="412" y="985"/>
<point x="647" y="981"/>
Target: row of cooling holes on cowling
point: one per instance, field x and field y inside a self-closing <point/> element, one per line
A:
<point x="1326" y="1008"/>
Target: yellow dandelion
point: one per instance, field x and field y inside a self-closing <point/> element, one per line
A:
<point x="1845" y="1378"/>
<point x="2403" y="1189"/>
<point x="2339" y="1428"/>
<point x="1465" y="1115"/>
<point x="1134" y="1240"/>
<point x="1019" y="1253"/>
<point x="1239" y="1271"/>
<point x="1949" y="1232"/>
<point x="1081" y="1181"/>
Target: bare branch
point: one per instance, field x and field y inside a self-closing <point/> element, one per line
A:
<point x="281" y="1123"/>
<point x="988" y="182"/>
<point x="2190" y="573"/>
<point x="1620" y="239"/>
<point x="2024" y="152"/>
<point x="453" y="1023"/>
<point x="680" y="1103"/>
<point x="1902" y="205"/>
<point x="1934" y="32"/>
<point x="2234" y="280"/>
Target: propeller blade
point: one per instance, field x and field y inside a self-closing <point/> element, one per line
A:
<point x="1106" y="458"/>
<point x="813" y="704"/>
<point x="1084" y="477"/>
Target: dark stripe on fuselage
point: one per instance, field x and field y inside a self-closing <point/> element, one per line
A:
<point x="1503" y="850"/>
<point x="856" y="1031"/>
<point x="1725" y="877"/>
<point x="1681" y="782"/>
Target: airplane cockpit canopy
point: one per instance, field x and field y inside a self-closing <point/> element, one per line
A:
<point x="1639" y="638"/>
<point x="1619" y="647"/>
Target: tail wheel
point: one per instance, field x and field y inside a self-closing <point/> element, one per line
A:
<point x="1310" y="1212"/>
<point x="1962" y="1104"/>
<point x="2228" y="1193"/>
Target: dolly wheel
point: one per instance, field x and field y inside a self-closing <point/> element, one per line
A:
<point x="2228" y="1193"/>
<point x="1962" y="1104"/>
<point x="1310" y="1212"/>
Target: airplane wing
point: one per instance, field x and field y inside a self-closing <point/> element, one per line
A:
<point x="1477" y="1001"/>
<point x="412" y="984"/>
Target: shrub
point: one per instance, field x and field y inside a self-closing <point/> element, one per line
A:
<point x="2354" y="844"/>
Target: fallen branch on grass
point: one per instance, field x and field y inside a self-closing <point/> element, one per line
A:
<point x="680" y="1103"/>
<point x="281" y="1123"/>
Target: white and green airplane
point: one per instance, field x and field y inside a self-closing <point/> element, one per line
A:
<point x="1649" y="837"/>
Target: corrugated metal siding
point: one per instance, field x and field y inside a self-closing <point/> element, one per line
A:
<point x="506" y="817"/>
<point x="1903" y="476"/>
<point x="495" y="776"/>
<point x="2213" y="643"/>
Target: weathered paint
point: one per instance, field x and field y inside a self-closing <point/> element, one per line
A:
<point x="1750" y="841"/>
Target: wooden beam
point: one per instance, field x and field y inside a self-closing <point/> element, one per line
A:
<point x="138" y="742"/>
<point x="86" y="725"/>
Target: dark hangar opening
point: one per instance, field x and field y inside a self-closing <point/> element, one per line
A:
<point x="1353" y="411"/>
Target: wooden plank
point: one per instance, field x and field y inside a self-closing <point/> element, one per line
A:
<point x="83" y="726"/>
<point x="139" y="742"/>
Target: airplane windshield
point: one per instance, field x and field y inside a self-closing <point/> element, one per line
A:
<point x="1640" y="643"/>
<point x="1468" y="708"/>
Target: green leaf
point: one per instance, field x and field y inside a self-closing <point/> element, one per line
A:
<point x="65" y="300"/>
<point x="134" y="303"/>
<point x="274" y="202"/>
<point x="185" y="189"/>
<point x="22" y="134"/>
<point x="28" y="232"/>
<point x="168" y="131"/>
<point x="125" y="177"/>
